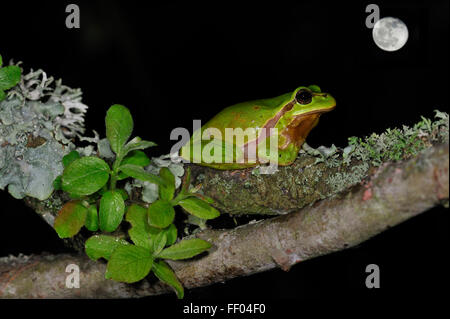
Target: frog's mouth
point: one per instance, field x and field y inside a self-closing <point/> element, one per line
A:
<point x="295" y="133"/>
<point x="299" y="128"/>
<point x="320" y="111"/>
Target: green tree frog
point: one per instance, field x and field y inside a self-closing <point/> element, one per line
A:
<point x="256" y="132"/>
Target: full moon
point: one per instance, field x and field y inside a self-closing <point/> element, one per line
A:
<point x="390" y="34"/>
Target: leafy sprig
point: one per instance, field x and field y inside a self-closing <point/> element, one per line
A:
<point x="98" y="204"/>
<point x="9" y="77"/>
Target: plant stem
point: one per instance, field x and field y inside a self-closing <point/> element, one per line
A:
<point x="113" y="181"/>
<point x="181" y="195"/>
<point x="115" y="171"/>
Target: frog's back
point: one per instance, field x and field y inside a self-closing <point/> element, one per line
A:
<point x="252" y="114"/>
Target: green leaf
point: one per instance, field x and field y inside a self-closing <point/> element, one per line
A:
<point x="112" y="208"/>
<point x="167" y="190"/>
<point x="119" y="125"/>
<point x="85" y="176"/>
<point x="57" y="183"/>
<point x="92" y="218"/>
<point x="186" y="248"/>
<point x="140" y="231"/>
<point x="9" y="76"/>
<point x="2" y="95"/>
<point x="139" y="173"/>
<point x="136" y="158"/>
<point x="74" y="196"/>
<point x="129" y="264"/>
<point x="1" y="60"/>
<point x="199" y="208"/>
<point x="70" y="219"/>
<point x="102" y="246"/>
<point x="69" y="158"/>
<point x="136" y="144"/>
<point x="204" y="198"/>
<point x="171" y="234"/>
<point x="159" y="242"/>
<point x="160" y="213"/>
<point x="122" y="176"/>
<point x="123" y="193"/>
<point x="164" y="273"/>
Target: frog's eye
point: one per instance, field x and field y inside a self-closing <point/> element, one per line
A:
<point x="303" y="96"/>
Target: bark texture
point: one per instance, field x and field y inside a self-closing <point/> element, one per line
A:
<point x="393" y="193"/>
<point x="292" y="187"/>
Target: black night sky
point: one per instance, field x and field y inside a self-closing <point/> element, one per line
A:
<point x="172" y="63"/>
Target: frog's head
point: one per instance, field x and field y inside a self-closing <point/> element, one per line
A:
<point x="311" y="100"/>
<point x="302" y="113"/>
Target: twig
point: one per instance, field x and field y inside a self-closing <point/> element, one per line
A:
<point x="392" y="194"/>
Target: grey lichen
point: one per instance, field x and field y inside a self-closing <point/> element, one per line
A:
<point x="38" y="119"/>
<point x="341" y="180"/>
<point x="392" y="145"/>
<point x="398" y="144"/>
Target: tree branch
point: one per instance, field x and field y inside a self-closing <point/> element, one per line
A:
<point x="392" y="193"/>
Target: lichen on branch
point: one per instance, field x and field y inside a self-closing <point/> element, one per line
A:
<point x="318" y="173"/>
<point x="38" y="119"/>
